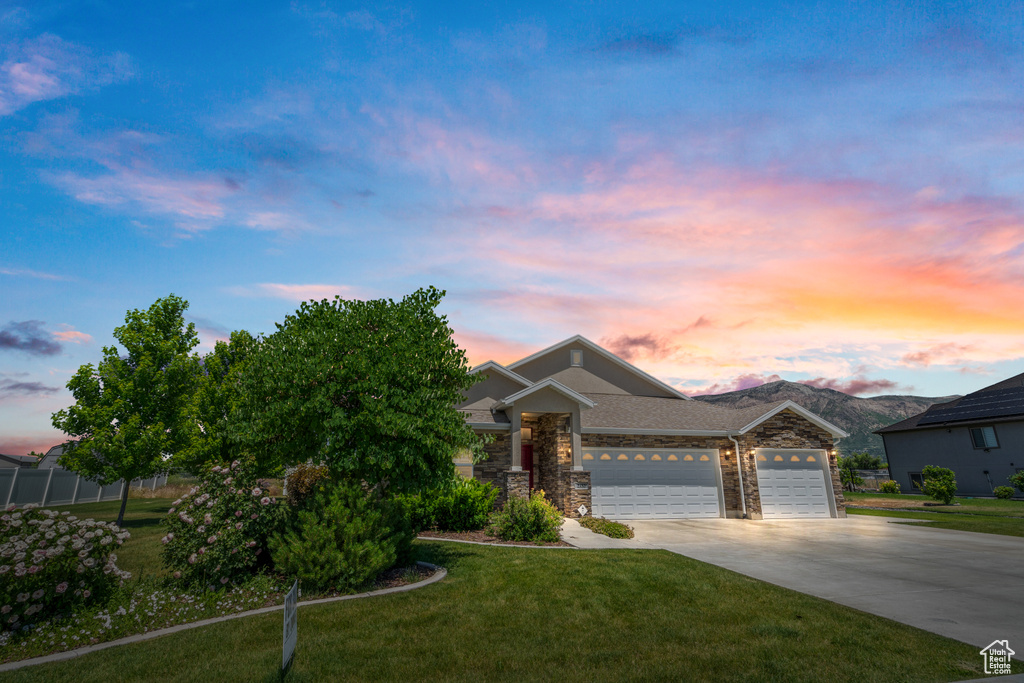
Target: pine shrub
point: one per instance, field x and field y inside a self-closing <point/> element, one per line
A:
<point x="341" y="538"/>
<point x="466" y="505"/>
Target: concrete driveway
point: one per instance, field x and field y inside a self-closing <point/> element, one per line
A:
<point x="963" y="585"/>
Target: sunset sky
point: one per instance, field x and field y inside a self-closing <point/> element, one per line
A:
<point x="724" y="195"/>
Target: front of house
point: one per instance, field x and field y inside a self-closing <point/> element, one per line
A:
<point x="592" y="430"/>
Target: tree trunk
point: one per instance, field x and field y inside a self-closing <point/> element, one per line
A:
<point x="124" y="502"/>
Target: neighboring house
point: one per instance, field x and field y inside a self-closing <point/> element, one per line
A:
<point x="49" y="459"/>
<point x="18" y="460"/>
<point x="591" y="429"/>
<point x="979" y="436"/>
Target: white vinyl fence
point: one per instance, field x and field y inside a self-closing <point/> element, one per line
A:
<point x="24" y="485"/>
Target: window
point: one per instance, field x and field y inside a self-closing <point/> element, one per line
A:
<point x="576" y="358"/>
<point x="984" y="437"/>
<point x="916" y="481"/>
<point x="464" y="463"/>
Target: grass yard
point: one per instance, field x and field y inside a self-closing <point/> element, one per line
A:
<point x="566" y="615"/>
<point x="981" y="515"/>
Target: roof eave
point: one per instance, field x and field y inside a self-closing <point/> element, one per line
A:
<point x="549" y="383"/>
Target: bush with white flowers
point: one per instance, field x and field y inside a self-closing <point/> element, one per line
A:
<point x="51" y="561"/>
<point x="217" y="532"/>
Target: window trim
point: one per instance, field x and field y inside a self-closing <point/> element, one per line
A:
<point x="576" y="358"/>
<point x="981" y="430"/>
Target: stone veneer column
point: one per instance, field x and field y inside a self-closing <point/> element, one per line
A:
<point x="517" y="484"/>
<point x="579" y="492"/>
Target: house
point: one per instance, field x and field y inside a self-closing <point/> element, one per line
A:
<point x="18" y="460"/>
<point x="979" y="436"/>
<point x="49" y="459"/>
<point x="592" y="430"/>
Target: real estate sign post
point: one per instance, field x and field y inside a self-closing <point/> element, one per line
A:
<point x="291" y="632"/>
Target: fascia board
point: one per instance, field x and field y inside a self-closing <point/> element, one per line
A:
<point x="484" y="426"/>
<point x="655" y="432"/>
<point x="501" y="370"/>
<point x="607" y="354"/>
<point x="802" y="412"/>
<point x="545" y="384"/>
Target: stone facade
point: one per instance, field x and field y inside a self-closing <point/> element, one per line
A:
<point x="579" y="493"/>
<point x="552" y="458"/>
<point x="517" y="484"/>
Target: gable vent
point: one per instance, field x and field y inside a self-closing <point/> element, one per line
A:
<point x="576" y="358"/>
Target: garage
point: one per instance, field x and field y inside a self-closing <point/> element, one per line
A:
<point x="656" y="483"/>
<point x="792" y="483"/>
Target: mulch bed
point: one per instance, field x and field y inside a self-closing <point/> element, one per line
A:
<point x="481" y="537"/>
<point x="402" y="576"/>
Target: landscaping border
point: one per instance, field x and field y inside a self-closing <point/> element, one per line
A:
<point x="496" y="545"/>
<point x="439" y="573"/>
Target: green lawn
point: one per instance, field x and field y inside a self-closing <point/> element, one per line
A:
<point x="140" y="554"/>
<point x="982" y="515"/>
<point x="536" y="614"/>
<point x="974" y="506"/>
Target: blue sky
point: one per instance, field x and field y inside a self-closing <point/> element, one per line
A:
<point x="722" y="193"/>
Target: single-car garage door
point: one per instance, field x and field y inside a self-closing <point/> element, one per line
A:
<point x="792" y="483"/>
<point x="657" y="483"/>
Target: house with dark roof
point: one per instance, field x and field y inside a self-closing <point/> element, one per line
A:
<point x="18" y="460"/>
<point x="600" y="436"/>
<point x="979" y="436"/>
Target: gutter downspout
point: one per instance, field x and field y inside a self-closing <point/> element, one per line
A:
<point x="739" y="475"/>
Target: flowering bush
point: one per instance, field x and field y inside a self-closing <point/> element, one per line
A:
<point x="528" y="519"/>
<point x="50" y="561"/>
<point x="217" y="532"/>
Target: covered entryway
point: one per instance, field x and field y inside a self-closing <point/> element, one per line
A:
<point x="657" y="483"/>
<point x="792" y="483"/>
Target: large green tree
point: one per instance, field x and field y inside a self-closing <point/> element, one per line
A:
<point x="130" y="409"/>
<point x="217" y="395"/>
<point x="366" y="387"/>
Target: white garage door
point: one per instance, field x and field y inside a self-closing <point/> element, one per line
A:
<point x="792" y="483"/>
<point x="654" y="483"/>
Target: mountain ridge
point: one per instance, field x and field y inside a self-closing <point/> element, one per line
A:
<point x="856" y="415"/>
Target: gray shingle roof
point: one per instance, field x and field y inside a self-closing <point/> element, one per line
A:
<point x="619" y="411"/>
<point x="497" y="418"/>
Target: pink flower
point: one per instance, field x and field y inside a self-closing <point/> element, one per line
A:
<point x="238" y="525"/>
<point x="211" y="539"/>
<point x="253" y="516"/>
<point x="38" y="594"/>
<point x="265" y="501"/>
<point x="5" y="609"/>
<point x="208" y="518"/>
<point x="177" y="575"/>
<point x="34" y="568"/>
<point x="235" y="464"/>
<point x="223" y="580"/>
<point x="192" y="558"/>
<point x="238" y="513"/>
<point x="202" y="551"/>
<point x="165" y="540"/>
<point x="62" y="586"/>
<point x="171" y="511"/>
<point x="86" y="593"/>
<point x="257" y="491"/>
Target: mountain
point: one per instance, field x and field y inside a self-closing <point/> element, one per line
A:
<point x="858" y="416"/>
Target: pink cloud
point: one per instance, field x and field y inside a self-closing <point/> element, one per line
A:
<point x="293" y="292"/>
<point x="481" y="347"/>
<point x="746" y="381"/>
<point x="853" y="387"/>
<point x="70" y="334"/>
<point x="47" y="68"/>
<point x="189" y="198"/>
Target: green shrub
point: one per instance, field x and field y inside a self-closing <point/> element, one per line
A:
<point x="304" y="481"/>
<point x="342" y="538"/>
<point x="217" y="533"/>
<point x="50" y="562"/>
<point x="600" y="525"/>
<point x="1017" y="480"/>
<point x="939" y="483"/>
<point x="889" y="486"/>
<point x="1003" y="492"/>
<point x="533" y="519"/>
<point x="465" y="506"/>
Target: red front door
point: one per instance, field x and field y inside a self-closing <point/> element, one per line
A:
<point x="527" y="461"/>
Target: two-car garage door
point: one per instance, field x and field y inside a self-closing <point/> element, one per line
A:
<point x="654" y="483"/>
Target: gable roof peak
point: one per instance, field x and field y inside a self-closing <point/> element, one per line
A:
<point x="580" y="339"/>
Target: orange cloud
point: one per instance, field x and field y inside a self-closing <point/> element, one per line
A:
<point x="292" y="292"/>
<point x="70" y="334"/>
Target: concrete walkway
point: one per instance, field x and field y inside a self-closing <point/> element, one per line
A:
<point x="963" y="585"/>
